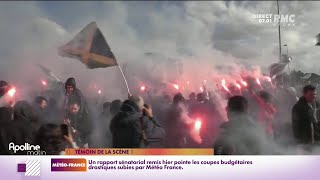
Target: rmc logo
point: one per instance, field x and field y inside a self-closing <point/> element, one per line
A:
<point x="284" y="18"/>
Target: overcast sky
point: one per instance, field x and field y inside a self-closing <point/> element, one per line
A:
<point x="217" y="32"/>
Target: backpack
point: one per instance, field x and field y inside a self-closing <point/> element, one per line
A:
<point x="152" y="133"/>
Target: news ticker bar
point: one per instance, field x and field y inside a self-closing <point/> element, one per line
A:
<point x="119" y="152"/>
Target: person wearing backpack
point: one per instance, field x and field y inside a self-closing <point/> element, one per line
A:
<point x="134" y="126"/>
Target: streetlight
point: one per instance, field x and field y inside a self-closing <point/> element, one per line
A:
<point x="288" y="59"/>
<point x="287" y="49"/>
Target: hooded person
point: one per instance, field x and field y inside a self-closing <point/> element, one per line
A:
<point x="132" y="126"/>
<point x="72" y="90"/>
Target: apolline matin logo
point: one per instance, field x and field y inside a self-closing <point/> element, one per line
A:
<point x="31" y="149"/>
<point x="30" y="168"/>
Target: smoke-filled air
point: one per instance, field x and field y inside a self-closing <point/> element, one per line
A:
<point x="223" y="74"/>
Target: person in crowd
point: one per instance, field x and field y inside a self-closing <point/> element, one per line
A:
<point x="18" y="125"/>
<point x="24" y="113"/>
<point x="266" y="112"/>
<point x="251" y="95"/>
<point x="285" y="99"/>
<point x="72" y="90"/>
<point x="115" y="107"/>
<point x="132" y="125"/>
<point x="192" y="100"/>
<point x="305" y="117"/>
<point x="6" y="114"/>
<point x="6" y="121"/>
<point x="105" y="110"/>
<point x="40" y="105"/>
<point x="240" y="135"/>
<point x="205" y="111"/>
<point x="79" y="122"/>
<point x="7" y="101"/>
<point x="160" y="106"/>
<point x="52" y="141"/>
<point x="54" y="113"/>
<point x="104" y="135"/>
<point x="3" y="88"/>
<point x="177" y="127"/>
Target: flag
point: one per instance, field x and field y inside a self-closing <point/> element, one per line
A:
<point x="90" y="47"/>
<point x="276" y="68"/>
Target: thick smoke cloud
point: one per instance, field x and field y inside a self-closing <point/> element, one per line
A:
<point x="196" y="34"/>
<point x="161" y="42"/>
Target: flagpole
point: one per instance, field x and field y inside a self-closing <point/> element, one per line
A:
<point x="279" y="30"/>
<point x="124" y="78"/>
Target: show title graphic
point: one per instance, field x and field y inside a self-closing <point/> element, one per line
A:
<point x="30" y="149"/>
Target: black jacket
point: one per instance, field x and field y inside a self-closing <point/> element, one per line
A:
<point x="82" y="123"/>
<point x="126" y="126"/>
<point x="304" y="126"/>
<point x="20" y="130"/>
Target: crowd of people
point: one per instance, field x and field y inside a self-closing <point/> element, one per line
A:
<point x="254" y="121"/>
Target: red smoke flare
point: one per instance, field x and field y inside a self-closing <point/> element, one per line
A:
<point x="44" y="83"/>
<point x="268" y="78"/>
<point x="223" y="84"/>
<point x="244" y="83"/>
<point x="12" y="92"/>
<point x="176" y="86"/>
<point x="258" y="81"/>
<point x="238" y="86"/>
<point x="142" y="88"/>
<point x="197" y="125"/>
